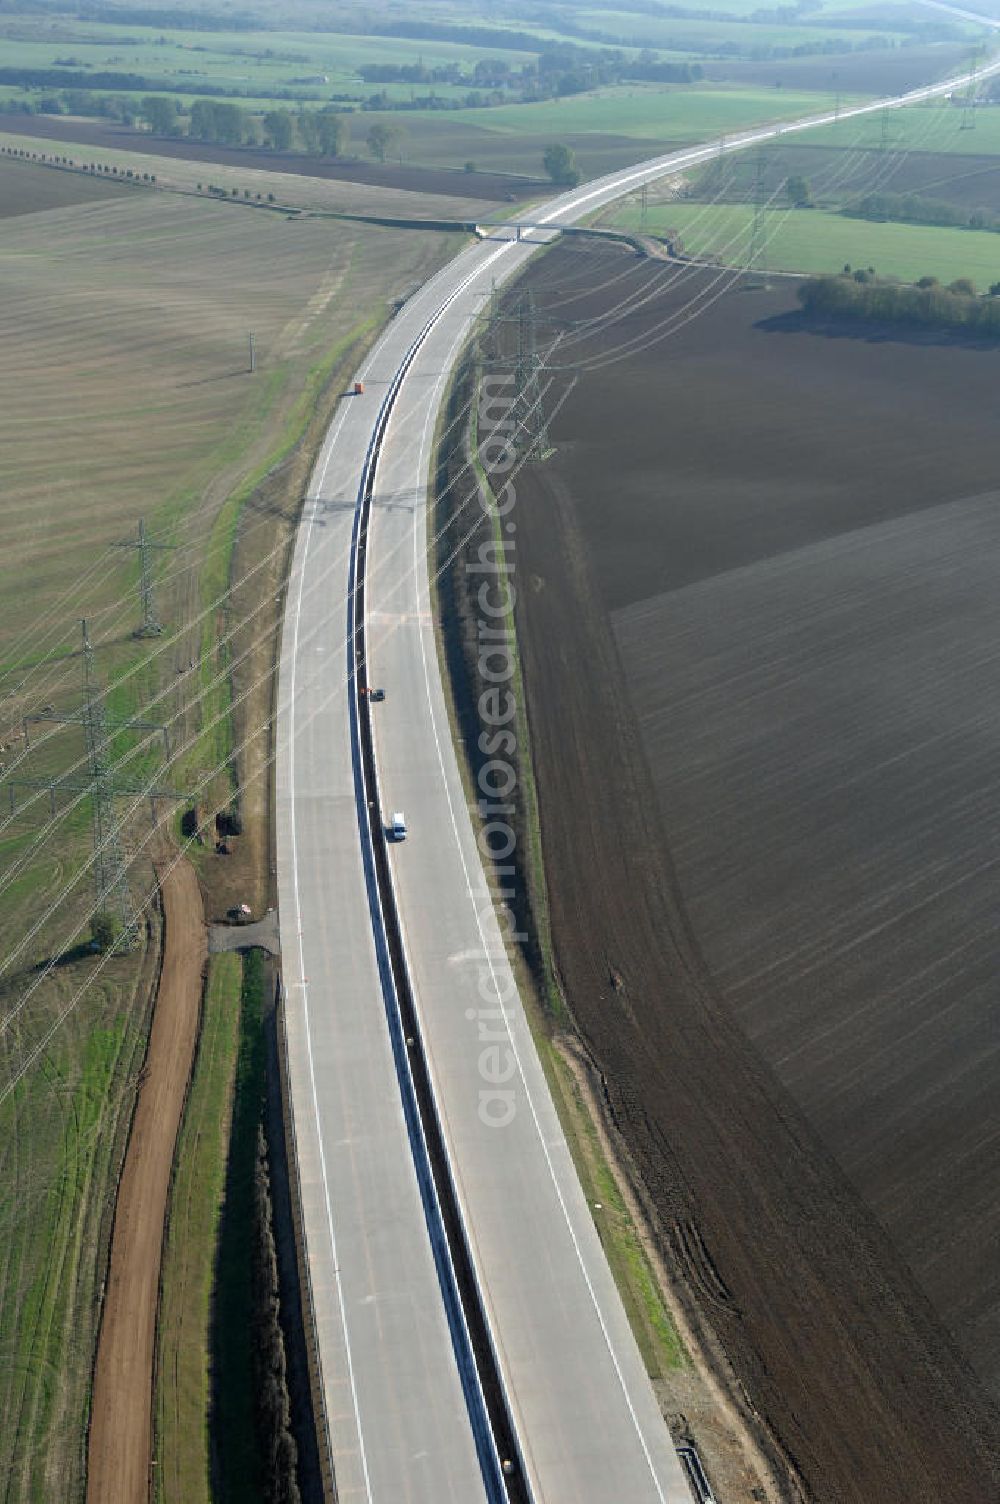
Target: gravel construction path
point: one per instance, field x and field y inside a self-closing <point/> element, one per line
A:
<point x="120" y="1426"/>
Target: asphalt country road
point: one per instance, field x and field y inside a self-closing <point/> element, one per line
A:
<point x="587" y="1420"/>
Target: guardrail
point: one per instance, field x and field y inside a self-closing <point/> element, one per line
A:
<point x="318" y="1397"/>
<point x="496" y="1438"/>
<point x="688" y="1453"/>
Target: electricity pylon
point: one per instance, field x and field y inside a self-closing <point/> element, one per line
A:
<point x="532" y="431"/>
<point x="969" y="107"/>
<point x="757" y="249"/>
<point x="110" y="865"/>
<point x="150" y="625"/>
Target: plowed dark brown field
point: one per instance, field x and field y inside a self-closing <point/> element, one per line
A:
<point x="759" y="623"/>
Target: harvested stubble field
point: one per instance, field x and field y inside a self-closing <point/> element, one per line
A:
<point x="123" y="390"/>
<point x="398" y="193"/>
<point x="758" y="624"/>
<point x="401" y="179"/>
<point x="25" y="191"/>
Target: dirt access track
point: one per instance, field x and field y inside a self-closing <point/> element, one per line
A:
<point x="121" y="1412"/>
<point x="698" y="455"/>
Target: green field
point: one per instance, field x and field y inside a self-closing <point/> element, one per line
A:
<point x="932" y="127"/>
<point x="813" y="240"/>
<point x="710" y="36"/>
<point x="284" y="59"/>
<point x="654" y="113"/>
<point x="252" y="62"/>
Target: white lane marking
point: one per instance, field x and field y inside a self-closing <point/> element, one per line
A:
<point x="612" y="188"/>
<point x="489" y="949"/>
<point x="305" y="986"/>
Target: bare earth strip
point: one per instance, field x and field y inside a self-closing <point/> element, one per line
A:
<point x="120" y="1428"/>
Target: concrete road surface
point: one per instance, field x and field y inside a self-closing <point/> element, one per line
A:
<point x="588" y="1423"/>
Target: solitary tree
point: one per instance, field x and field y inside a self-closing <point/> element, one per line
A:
<point x="797" y="192"/>
<point x="159" y="114"/>
<point x="381" y="138"/>
<point x="214" y="120"/>
<point x="308" y="128"/>
<point x="560" y="164"/>
<point x="279" y="127"/>
<point x="332" y="134"/>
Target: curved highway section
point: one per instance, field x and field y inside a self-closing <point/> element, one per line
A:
<point x="457" y="1279"/>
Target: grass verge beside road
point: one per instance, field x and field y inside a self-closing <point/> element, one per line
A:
<point x="183" y="1376"/>
<point x="544" y="1005"/>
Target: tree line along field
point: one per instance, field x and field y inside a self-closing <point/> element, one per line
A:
<point x="124" y="391"/>
<point x="767" y="613"/>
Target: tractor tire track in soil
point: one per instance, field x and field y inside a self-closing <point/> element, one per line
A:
<point x="851" y="1375"/>
<point x="121" y="1412"/>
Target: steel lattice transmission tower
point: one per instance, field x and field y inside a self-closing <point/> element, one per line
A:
<point x="101" y="784"/>
<point x="531" y="434"/>
<point x="110" y="868"/>
<point x="533" y="437"/>
<point x="757" y="249"/>
<point x="489" y="344"/>
<point x="969" y="107"/>
<point x="150" y="625"/>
